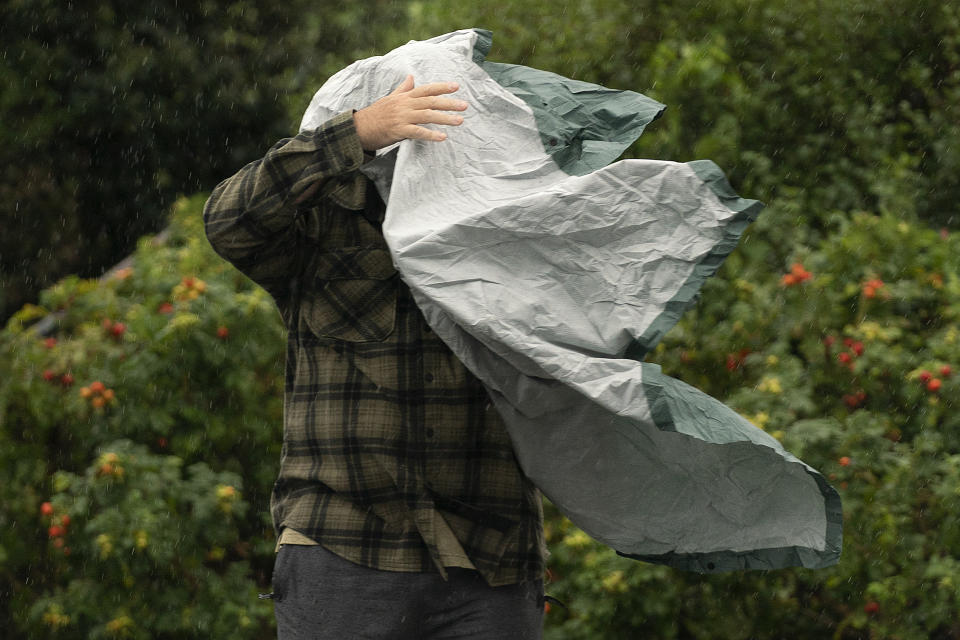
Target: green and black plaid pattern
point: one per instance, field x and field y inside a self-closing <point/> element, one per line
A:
<point x="385" y="431"/>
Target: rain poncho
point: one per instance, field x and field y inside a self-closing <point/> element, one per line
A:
<point x="551" y="274"/>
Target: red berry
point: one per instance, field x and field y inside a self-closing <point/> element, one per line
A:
<point x="844" y="357"/>
<point x="799" y="273"/>
<point x="66" y="379"/>
<point x="117" y="329"/>
<point x="188" y="282"/>
<point x="162" y="443"/>
<point x="858" y="348"/>
<point x="871" y="607"/>
<point x="945" y="371"/>
<point x="50" y="343"/>
<point x="65" y="520"/>
<point x="46" y="509"/>
<point x="925" y="376"/>
<point x="106" y="323"/>
<point x="223" y="333"/>
<point x="828" y="341"/>
<point x="165" y="307"/>
<point x="844" y="461"/>
<point x="56" y="531"/>
<point x="58" y="542"/>
<point x="934" y="385"/>
<point x="97" y="387"/>
<point x="848" y="342"/>
<point x="49" y="374"/>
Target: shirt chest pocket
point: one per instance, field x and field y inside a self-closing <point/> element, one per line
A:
<point x="350" y="294"/>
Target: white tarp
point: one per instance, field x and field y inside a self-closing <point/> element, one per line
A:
<point x="551" y="287"/>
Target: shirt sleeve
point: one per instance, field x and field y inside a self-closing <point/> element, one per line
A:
<point x="250" y="217"/>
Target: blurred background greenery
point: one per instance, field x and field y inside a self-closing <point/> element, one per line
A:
<point x="111" y="110"/>
<point x="842" y="116"/>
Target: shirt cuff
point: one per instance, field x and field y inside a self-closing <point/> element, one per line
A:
<point x="338" y="139"/>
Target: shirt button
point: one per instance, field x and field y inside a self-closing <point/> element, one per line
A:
<point x="428" y="377"/>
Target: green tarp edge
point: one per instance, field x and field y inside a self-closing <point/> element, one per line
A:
<point x="659" y="389"/>
<point x="746" y="212"/>
<point x="583" y="126"/>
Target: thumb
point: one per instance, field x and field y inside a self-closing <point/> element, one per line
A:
<point x="406" y="85"/>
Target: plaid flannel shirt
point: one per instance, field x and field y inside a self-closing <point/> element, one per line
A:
<point x="393" y="456"/>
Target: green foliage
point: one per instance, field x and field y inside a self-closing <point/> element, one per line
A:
<point x="109" y="110"/>
<point x="845" y="106"/>
<point x="183" y="356"/>
<point x="130" y="561"/>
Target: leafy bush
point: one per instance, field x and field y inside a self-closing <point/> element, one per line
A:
<point x="173" y="365"/>
<point x="123" y="552"/>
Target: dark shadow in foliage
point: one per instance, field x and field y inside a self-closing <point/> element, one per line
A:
<point x="111" y="109"/>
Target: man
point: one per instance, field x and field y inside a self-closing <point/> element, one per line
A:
<point x="399" y="506"/>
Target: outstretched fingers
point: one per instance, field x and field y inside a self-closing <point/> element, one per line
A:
<point x="432" y="89"/>
<point x="430" y="116"/>
<point x="436" y="102"/>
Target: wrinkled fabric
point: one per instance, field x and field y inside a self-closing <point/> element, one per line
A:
<point x="551" y="274"/>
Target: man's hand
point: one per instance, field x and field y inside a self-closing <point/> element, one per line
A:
<point x="397" y="116"/>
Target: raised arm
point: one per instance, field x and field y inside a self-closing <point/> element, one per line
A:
<point x="249" y="218"/>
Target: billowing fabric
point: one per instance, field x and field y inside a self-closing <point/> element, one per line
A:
<point x="551" y="274"/>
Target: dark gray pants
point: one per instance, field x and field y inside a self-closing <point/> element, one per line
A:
<point x="319" y="595"/>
